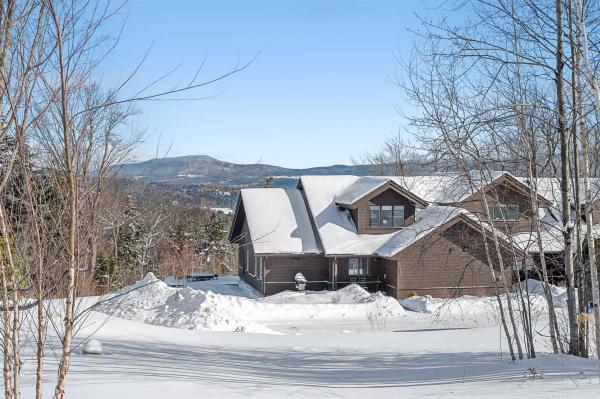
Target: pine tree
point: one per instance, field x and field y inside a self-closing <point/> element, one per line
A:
<point x="106" y="272"/>
<point x="129" y="249"/>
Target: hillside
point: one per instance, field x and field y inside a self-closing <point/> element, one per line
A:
<point x="202" y="169"/>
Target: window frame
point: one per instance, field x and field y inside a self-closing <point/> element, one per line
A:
<point x="502" y="212"/>
<point x="260" y="267"/>
<point x="380" y="217"/>
<point x="371" y="225"/>
<point x="362" y="267"/>
<point x="389" y="210"/>
<point x="403" y="219"/>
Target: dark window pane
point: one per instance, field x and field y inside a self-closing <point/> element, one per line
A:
<point x="494" y="212"/>
<point x="504" y="212"/>
<point x="374" y="216"/>
<point x="398" y="216"/>
<point x="357" y="266"/>
<point x="353" y="266"/>
<point x="500" y="212"/>
<point x="386" y="216"/>
<point x="512" y="212"/>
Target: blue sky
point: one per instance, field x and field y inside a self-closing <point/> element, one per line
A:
<point x="320" y="92"/>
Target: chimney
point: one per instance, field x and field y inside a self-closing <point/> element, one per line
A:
<point x="269" y="182"/>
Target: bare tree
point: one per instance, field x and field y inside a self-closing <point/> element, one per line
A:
<point x="61" y="137"/>
<point x="397" y="157"/>
<point x="582" y="44"/>
<point x="499" y="79"/>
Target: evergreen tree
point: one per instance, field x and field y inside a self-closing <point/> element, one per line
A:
<point x="129" y="247"/>
<point x="107" y="273"/>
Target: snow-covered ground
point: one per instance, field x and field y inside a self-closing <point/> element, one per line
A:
<point x="229" y="343"/>
<point x="210" y="306"/>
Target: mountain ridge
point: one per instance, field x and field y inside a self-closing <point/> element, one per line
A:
<point x="204" y="169"/>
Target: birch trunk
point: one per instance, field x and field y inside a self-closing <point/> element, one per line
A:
<point x="567" y="224"/>
<point x="7" y="342"/>
<point x="509" y="304"/>
<point x="552" y="321"/>
<point x="593" y="83"/>
<point x="69" y="318"/>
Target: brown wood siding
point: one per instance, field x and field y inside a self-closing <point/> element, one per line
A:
<point x="390" y="277"/>
<point x="246" y="252"/>
<point x="443" y="267"/>
<point x="388" y="197"/>
<point x="281" y="270"/>
<point x="595" y="207"/>
<point x="504" y="194"/>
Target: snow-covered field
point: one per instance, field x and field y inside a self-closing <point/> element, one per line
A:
<point x="218" y="339"/>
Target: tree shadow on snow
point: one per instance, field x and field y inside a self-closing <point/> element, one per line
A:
<point x="129" y="361"/>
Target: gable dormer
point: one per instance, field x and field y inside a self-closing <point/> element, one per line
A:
<point x="509" y="205"/>
<point x="380" y="206"/>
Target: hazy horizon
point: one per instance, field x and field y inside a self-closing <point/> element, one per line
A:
<point x="168" y="156"/>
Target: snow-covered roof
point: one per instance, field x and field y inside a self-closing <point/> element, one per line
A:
<point x="281" y="221"/>
<point x="365" y="185"/>
<point x="442" y="188"/>
<point x="278" y="221"/>
<point x="337" y="231"/>
<point x="361" y="187"/>
<point x="451" y="187"/>
<point x="552" y="241"/>
<point x="429" y="219"/>
<point x="550" y="230"/>
<point x="549" y="187"/>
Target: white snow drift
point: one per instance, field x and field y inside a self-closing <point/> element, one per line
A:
<point x="473" y="305"/>
<point x="152" y="301"/>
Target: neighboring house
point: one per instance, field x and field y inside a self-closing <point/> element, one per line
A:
<point x="395" y="234"/>
<point x="551" y="219"/>
<point x="550" y="188"/>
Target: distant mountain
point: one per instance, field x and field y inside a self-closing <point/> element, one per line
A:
<point x="203" y="169"/>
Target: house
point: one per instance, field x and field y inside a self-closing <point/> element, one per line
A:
<point x="400" y="235"/>
<point x="552" y="229"/>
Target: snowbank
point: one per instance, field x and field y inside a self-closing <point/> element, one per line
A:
<point x="152" y="301"/>
<point x="464" y="305"/>
<point x="559" y="294"/>
<point x="473" y="305"/>
<point x="351" y="302"/>
<point x="350" y="294"/>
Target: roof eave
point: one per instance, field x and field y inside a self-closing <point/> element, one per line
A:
<point x="395" y="186"/>
<point x="235" y="217"/>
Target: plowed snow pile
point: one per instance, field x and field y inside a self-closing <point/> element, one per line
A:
<point x="559" y="294"/>
<point x="473" y="305"/>
<point x="152" y="301"/>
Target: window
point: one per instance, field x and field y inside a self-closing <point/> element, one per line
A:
<point x="398" y="216"/>
<point x="386" y="216"/>
<point x="253" y="265"/>
<point x="260" y="268"/>
<point x="357" y="267"/>
<point x="503" y="211"/>
<point x="374" y="215"/>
